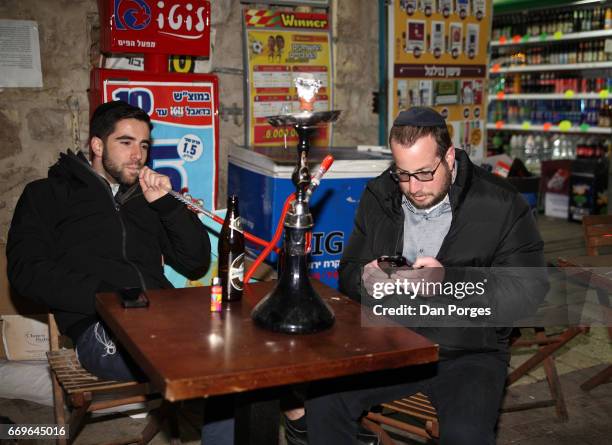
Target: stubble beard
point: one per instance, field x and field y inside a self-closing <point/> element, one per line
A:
<point x="117" y="172"/>
<point x="436" y="198"/>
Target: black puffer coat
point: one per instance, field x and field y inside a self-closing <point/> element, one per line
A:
<point x="70" y="238"/>
<point x="492" y="227"/>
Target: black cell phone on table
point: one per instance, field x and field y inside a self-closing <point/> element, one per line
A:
<point x="392" y="263"/>
<point x="132" y="297"/>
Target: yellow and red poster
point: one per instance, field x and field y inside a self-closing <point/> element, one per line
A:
<point x="279" y="47"/>
<point x="438" y="54"/>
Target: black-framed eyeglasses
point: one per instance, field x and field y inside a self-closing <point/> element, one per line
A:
<point x="400" y="175"/>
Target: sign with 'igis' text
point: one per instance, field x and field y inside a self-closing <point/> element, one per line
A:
<point x="155" y="26"/>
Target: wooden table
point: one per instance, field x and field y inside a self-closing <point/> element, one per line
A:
<point x="594" y="271"/>
<point x="188" y="352"/>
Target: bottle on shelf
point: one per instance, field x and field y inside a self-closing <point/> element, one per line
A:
<point x="532" y="160"/>
<point x="516" y="147"/>
<point x="556" y="148"/>
<point x="594" y="112"/>
<point x="231" y="252"/>
<point x="565" y="20"/>
<point x="534" y="148"/>
<point x="604" y="119"/>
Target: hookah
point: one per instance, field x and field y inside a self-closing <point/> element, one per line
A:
<point x="293" y="306"/>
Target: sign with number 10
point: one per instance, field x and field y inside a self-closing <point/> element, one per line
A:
<point x="184" y="131"/>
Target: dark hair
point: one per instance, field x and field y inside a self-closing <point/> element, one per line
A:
<point x="108" y="114"/>
<point x="408" y="135"/>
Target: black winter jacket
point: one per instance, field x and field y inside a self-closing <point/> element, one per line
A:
<point x="492" y="226"/>
<point x="70" y="238"/>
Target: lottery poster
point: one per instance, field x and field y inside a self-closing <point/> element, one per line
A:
<point x="279" y="46"/>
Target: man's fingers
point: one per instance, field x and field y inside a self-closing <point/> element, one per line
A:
<point x="371" y="275"/>
<point x="426" y="261"/>
<point x="407" y="274"/>
<point x="419" y="263"/>
<point x="153" y="180"/>
<point x="373" y="263"/>
<point x="143" y="184"/>
<point x="372" y="269"/>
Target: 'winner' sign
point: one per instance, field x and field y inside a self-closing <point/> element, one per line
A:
<point x="155" y="26"/>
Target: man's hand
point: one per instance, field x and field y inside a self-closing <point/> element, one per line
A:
<point x="426" y="261"/>
<point x="425" y="269"/>
<point x="153" y="185"/>
<point x="373" y="274"/>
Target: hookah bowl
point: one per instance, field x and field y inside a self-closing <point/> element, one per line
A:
<point x="293" y="306"/>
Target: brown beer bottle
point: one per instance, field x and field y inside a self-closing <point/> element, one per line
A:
<point x="231" y="252"/>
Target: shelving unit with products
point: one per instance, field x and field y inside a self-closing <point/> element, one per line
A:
<point x="551" y="74"/>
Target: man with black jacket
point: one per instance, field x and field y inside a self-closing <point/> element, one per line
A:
<point x="442" y="213"/>
<point x="101" y="226"/>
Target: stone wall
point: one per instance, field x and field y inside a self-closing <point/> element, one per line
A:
<point x="37" y="123"/>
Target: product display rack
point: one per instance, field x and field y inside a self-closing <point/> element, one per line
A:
<point x="547" y="38"/>
<point x="568" y="95"/>
<point x="571" y="95"/>
<point x="551" y="129"/>
<point x="496" y="69"/>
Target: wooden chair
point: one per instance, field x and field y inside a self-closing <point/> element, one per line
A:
<point x="597" y="234"/>
<point x="82" y="393"/>
<point x="418" y="416"/>
<point x="547" y="345"/>
<point x="421" y="413"/>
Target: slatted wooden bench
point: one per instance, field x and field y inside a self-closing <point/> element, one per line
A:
<point x="83" y="393"/>
<point x="417" y="407"/>
<point x="74" y="379"/>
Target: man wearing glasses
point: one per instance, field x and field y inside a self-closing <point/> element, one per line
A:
<point x="439" y="211"/>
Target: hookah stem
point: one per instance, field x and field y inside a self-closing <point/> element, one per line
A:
<point x="325" y="164"/>
<point x="219" y="220"/>
<point x="272" y="244"/>
<point x="316" y="179"/>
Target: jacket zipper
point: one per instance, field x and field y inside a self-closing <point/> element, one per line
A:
<point x="117" y="208"/>
<point x="400" y="232"/>
<point x="124" y="247"/>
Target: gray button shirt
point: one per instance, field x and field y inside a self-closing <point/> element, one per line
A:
<point x="425" y="229"/>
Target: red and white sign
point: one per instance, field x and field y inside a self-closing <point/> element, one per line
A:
<point x="169" y="102"/>
<point x="155" y="26"/>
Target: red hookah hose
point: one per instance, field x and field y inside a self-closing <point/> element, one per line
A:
<point x="247" y="235"/>
<point x="272" y="244"/>
<point x="325" y="165"/>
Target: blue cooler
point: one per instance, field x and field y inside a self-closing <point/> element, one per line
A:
<point x="262" y="180"/>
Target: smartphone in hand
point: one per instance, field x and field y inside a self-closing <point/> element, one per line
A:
<point x="133" y="297"/>
<point x="390" y="264"/>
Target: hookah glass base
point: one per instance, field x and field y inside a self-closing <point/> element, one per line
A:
<point x="293" y="307"/>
